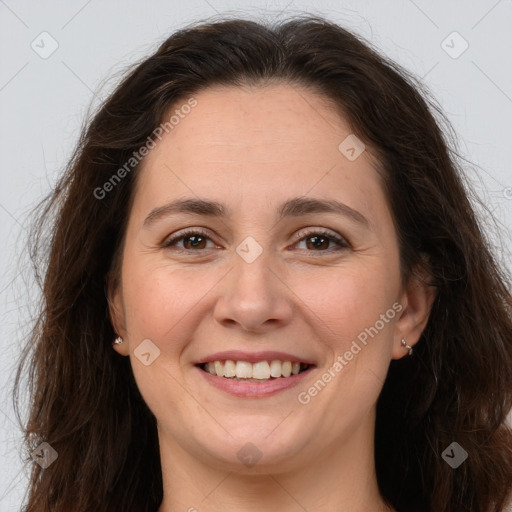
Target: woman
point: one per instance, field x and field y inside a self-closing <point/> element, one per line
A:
<point x="268" y="227"/>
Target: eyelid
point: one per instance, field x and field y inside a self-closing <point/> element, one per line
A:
<point x="325" y="232"/>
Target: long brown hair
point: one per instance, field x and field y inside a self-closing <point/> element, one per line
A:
<point x="456" y="388"/>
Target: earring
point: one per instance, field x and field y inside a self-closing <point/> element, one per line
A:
<point x="118" y="341"/>
<point x="408" y="347"/>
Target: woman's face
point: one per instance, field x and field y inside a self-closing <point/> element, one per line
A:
<point x="264" y="282"/>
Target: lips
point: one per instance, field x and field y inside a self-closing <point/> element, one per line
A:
<point x="254" y="357"/>
<point x="253" y="366"/>
<point x="254" y="374"/>
<point x="254" y="388"/>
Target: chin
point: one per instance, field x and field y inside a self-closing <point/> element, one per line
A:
<point x="255" y="449"/>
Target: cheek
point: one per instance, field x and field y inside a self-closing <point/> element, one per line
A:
<point x="347" y="300"/>
<point x="158" y="303"/>
<point x="156" y="298"/>
<point x="168" y="303"/>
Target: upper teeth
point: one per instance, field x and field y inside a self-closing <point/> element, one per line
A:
<point x="259" y="370"/>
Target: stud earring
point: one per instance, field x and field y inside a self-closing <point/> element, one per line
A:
<point x="408" y="347"/>
<point x="117" y="341"/>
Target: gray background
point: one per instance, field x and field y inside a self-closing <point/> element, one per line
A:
<point x="44" y="101"/>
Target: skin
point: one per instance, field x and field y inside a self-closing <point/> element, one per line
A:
<point x="252" y="149"/>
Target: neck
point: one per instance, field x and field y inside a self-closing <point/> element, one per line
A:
<point x="341" y="478"/>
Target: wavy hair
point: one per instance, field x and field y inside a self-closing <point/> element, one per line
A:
<point x="457" y="387"/>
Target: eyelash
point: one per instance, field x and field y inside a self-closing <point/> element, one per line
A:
<point x="342" y="242"/>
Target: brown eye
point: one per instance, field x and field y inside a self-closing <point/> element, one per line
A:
<point x="192" y="241"/>
<point x="196" y="241"/>
<point x="318" y="241"/>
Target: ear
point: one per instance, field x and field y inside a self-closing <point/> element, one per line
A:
<point x="114" y="292"/>
<point x="417" y="300"/>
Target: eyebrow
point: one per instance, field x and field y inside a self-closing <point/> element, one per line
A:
<point x="295" y="207"/>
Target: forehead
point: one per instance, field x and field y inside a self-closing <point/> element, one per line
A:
<point x="259" y="121"/>
<point x="258" y="142"/>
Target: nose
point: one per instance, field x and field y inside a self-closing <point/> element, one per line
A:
<point x="254" y="297"/>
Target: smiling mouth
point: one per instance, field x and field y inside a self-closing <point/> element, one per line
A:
<point x="262" y="371"/>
